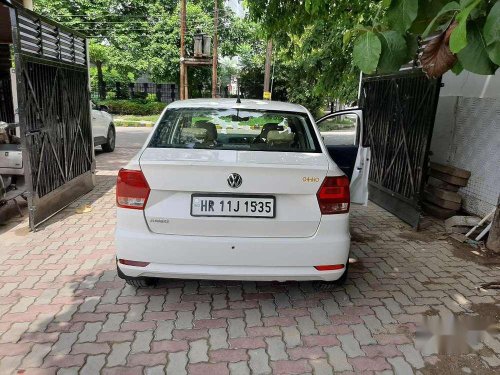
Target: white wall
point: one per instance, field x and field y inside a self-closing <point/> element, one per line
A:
<point x="467" y="135"/>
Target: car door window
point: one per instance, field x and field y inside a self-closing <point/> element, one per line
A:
<point x="341" y="129"/>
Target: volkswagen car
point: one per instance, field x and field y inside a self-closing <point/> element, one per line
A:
<point x="240" y="191"/>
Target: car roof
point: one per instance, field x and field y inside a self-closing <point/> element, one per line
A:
<point x="231" y="103"/>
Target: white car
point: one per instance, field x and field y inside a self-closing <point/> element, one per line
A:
<point x="236" y="191"/>
<point x="103" y="128"/>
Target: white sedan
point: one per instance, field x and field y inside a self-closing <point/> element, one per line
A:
<point x="237" y="191"/>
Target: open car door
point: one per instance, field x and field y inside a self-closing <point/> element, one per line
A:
<point x="342" y="133"/>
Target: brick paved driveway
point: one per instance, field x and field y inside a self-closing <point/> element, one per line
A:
<point x="63" y="310"/>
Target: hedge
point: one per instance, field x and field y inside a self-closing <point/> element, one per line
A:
<point x="134" y="107"/>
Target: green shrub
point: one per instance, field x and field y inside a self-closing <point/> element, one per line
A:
<point x="134" y="107"/>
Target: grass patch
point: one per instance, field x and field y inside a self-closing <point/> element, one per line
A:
<point x="135" y="121"/>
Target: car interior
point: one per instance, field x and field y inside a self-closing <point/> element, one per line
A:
<point x="280" y="133"/>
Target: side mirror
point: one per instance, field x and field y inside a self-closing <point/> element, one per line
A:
<point x="104" y="108"/>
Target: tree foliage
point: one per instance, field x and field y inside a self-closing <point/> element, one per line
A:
<point x="330" y="40"/>
<point x="137" y="36"/>
<point x="472" y="25"/>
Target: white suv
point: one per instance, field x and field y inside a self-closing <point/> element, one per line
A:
<point x="235" y="191"/>
<point x="103" y="128"/>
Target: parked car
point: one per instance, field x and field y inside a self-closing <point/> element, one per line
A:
<point x="103" y="128"/>
<point x="239" y="191"/>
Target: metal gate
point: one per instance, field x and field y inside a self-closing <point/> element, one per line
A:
<point x="399" y="111"/>
<point x="54" y="112"/>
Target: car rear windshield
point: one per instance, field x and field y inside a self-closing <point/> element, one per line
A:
<point x="235" y="129"/>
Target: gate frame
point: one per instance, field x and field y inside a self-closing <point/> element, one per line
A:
<point x="43" y="208"/>
<point x="407" y="209"/>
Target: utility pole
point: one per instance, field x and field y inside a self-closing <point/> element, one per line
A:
<point x="214" y="53"/>
<point x="267" y="70"/>
<point x="183" y="73"/>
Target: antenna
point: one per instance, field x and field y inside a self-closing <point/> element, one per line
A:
<point x="238" y="100"/>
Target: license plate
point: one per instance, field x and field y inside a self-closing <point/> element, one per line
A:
<point x="233" y="205"/>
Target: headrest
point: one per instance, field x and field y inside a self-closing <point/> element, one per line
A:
<point x="193" y="134"/>
<point x="275" y="136"/>
<point x="210" y="128"/>
<point x="269" y="127"/>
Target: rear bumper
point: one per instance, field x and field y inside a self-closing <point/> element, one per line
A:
<point x="182" y="271"/>
<point x="231" y="258"/>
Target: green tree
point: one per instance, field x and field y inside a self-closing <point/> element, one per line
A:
<point x="99" y="55"/>
<point x="466" y="35"/>
<point x="143" y="36"/>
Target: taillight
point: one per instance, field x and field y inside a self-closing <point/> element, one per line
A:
<point x="333" y="195"/>
<point x="132" y="189"/>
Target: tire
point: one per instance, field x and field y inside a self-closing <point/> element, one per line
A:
<point x="137" y="282"/>
<point x="109" y="146"/>
<point x="331" y="285"/>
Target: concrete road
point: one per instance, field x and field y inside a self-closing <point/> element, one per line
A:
<point x="127" y="137"/>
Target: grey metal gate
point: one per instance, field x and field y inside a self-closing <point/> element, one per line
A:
<point x="399" y="111"/>
<point x="54" y="112"/>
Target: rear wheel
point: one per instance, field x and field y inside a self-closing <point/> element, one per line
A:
<point x="330" y="285"/>
<point x="138" y="282"/>
<point x="109" y="146"/>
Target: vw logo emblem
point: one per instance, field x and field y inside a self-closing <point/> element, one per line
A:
<point x="234" y="180"/>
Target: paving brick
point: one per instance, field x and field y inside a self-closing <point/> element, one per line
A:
<point x="156" y="370"/>
<point x="228" y="355"/>
<point x="239" y="368"/>
<point x="268" y="308"/>
<point x="362" y="334"/>
<point x="338" y="359"/>
<point x="164" y="330"/>
<point x="308" y="353"/>
<point x="202" y="311"/>
<point x="384" y="315"/>
<point x="208" y="369"/>
<point x="350" y="345"/>
<point x="184" y="320"/>
<point x="247" y="343"/>
<point x="263" y="331"/>
<point x="259" y="361"/>
<point x="218" y="338"/>
<point x="412" y="355"/>
<point x="142" y="341"/>
<point x="9" y="365"/>
<point x="253" y="318"/>
<point x="118" y="355"/>
<point x="62" y="360"/>
<point x="147" y="359"/>
<point x="177" y="363"/>
<point x="290" y="367"/>
<point x="276" y="348"/>
<point x="89" y="334"/>
<point x="35" y="358"/>
<point x="369" y="364"/>
<point x="291" y="336"/>
<point x="400" y="365"/>
<point x="306" y="325"/>
<point x="198" y="351"/>
<point x="64" y="343"/>
<point x="321" y="367"/>
<point x="113" y="322"/>
<point x="90" y="348"/>
<point x="93" y="365"/>
<point x="236" y="328"/>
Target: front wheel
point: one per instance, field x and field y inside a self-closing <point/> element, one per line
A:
<point x="109" y="146"/>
